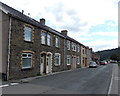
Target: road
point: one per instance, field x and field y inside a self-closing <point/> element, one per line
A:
<point x="79" y="81"/>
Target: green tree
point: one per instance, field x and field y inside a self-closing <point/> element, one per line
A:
<point x="114" y="57"/>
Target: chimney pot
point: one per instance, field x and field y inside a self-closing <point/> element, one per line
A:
<point x="64" y="32"/>
<point x="42" y="21"/>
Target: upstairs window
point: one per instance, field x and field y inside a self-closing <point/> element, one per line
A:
<point x="56" y="42"/>
<point x="48" y="39"/>
<point x="26" y="60"/>
<point x="43" y="37"/>
<point x="68" y="45"/>
<point x="27" y="33"/>
<point x="83" y="50"/>
<point x="73" y="46"/>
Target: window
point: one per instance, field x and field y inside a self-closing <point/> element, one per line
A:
<point x="26" y="60"/>
<point x="73" y="46"/>
<point x="78" y="60"/>
<point x="83" y="51"/>
<point x="57" y="59"/>
<point x="68" y="45"/>
<point x="78" y="48"/>
<point x="43" y="37"/>
<point x="56" y="41"/>
<point x="83" y="60"/>
<point x="68" y="59"/>
<point x="48" y="39"/>
<point x="27" y="33"/>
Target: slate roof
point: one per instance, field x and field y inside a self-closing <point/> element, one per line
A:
<point x="18" y="15"/>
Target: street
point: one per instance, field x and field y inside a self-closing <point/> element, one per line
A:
<point x="79" y="81"/>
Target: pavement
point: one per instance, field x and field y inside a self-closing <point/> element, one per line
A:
<point x="113" y="89"/>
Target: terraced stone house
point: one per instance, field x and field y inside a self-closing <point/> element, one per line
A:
<point x="30" y="48"/>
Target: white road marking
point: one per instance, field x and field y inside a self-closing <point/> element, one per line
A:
<point x="4" y="85"/>
<point x="11" y="84"/>
<point x="14" y="84"/>
<point x="110" y="84"/>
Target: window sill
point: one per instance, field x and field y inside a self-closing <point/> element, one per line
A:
<point x="68" y="64"/>
<point x="49" y="45"/>
<point x="27" y="68"/>
<point x="57" y="47"/>
<point x="28" y="41"/>
<point x="57" y="64"/>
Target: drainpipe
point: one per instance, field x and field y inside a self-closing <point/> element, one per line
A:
<point x="64" y="54"/>
<point x="8" y="65"/>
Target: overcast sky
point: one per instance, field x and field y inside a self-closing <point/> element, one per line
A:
<point x="93" y="23"/>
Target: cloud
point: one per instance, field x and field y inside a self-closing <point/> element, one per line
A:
<point x="86" y="20"/>
<point x="102" y="45"/>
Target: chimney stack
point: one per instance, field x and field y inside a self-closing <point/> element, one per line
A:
<point x="22" y="11"/>
<point x="64" y="32"/>
<point x="42" y="21"/>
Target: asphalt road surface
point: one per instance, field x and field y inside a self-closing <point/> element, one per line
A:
<point x="80" y="81"/>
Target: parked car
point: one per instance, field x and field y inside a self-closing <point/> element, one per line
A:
<point x="92" y="64"/>
<point x="113" y="61"/>
<point x="103" y="62"/>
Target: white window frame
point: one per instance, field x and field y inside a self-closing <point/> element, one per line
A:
<point x="56" y="42"/>
<point x="27" y="56"/>
<point x="43" y="38"/>
<point x="48" y="39"/>
<point x="73" y="46"/>
<point x="68" y="57"/>
<point x="25" y="33"/>
<point x="57" y="54"/>
<point x="68" y="45"/>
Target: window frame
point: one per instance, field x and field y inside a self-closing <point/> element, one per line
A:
<point x="49" y="39"/>
<point x="28" y="58"/>
<point x="31" y="33"/>
<point x="68" y="45"/>
<point x="44" y="43"/>
<point x="69" y="57"/>
<point x="57" y="42"/>
<point x="73" y="46"/>
<point x="57" y="54"/>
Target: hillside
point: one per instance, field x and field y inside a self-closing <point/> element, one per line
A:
<point x="106" y="54"/>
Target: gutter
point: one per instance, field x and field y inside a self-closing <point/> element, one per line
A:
<point x="9" y="38"/>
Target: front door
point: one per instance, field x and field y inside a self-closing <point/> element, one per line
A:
<point x="73" y="62"/>
<point x="46" y="64"/>
<point x="42" y="64"/>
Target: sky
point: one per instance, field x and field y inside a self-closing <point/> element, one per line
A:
<point x="93" y="23"/>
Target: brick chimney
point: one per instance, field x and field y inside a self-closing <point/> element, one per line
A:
<point x="42" y="21"/>
<point x="64" y="32"/>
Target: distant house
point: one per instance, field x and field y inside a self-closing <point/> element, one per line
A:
<point x="30" y="48"/>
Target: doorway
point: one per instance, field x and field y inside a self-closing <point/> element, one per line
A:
<point x="73" y="62"/>
<point x="46" y="63"/>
